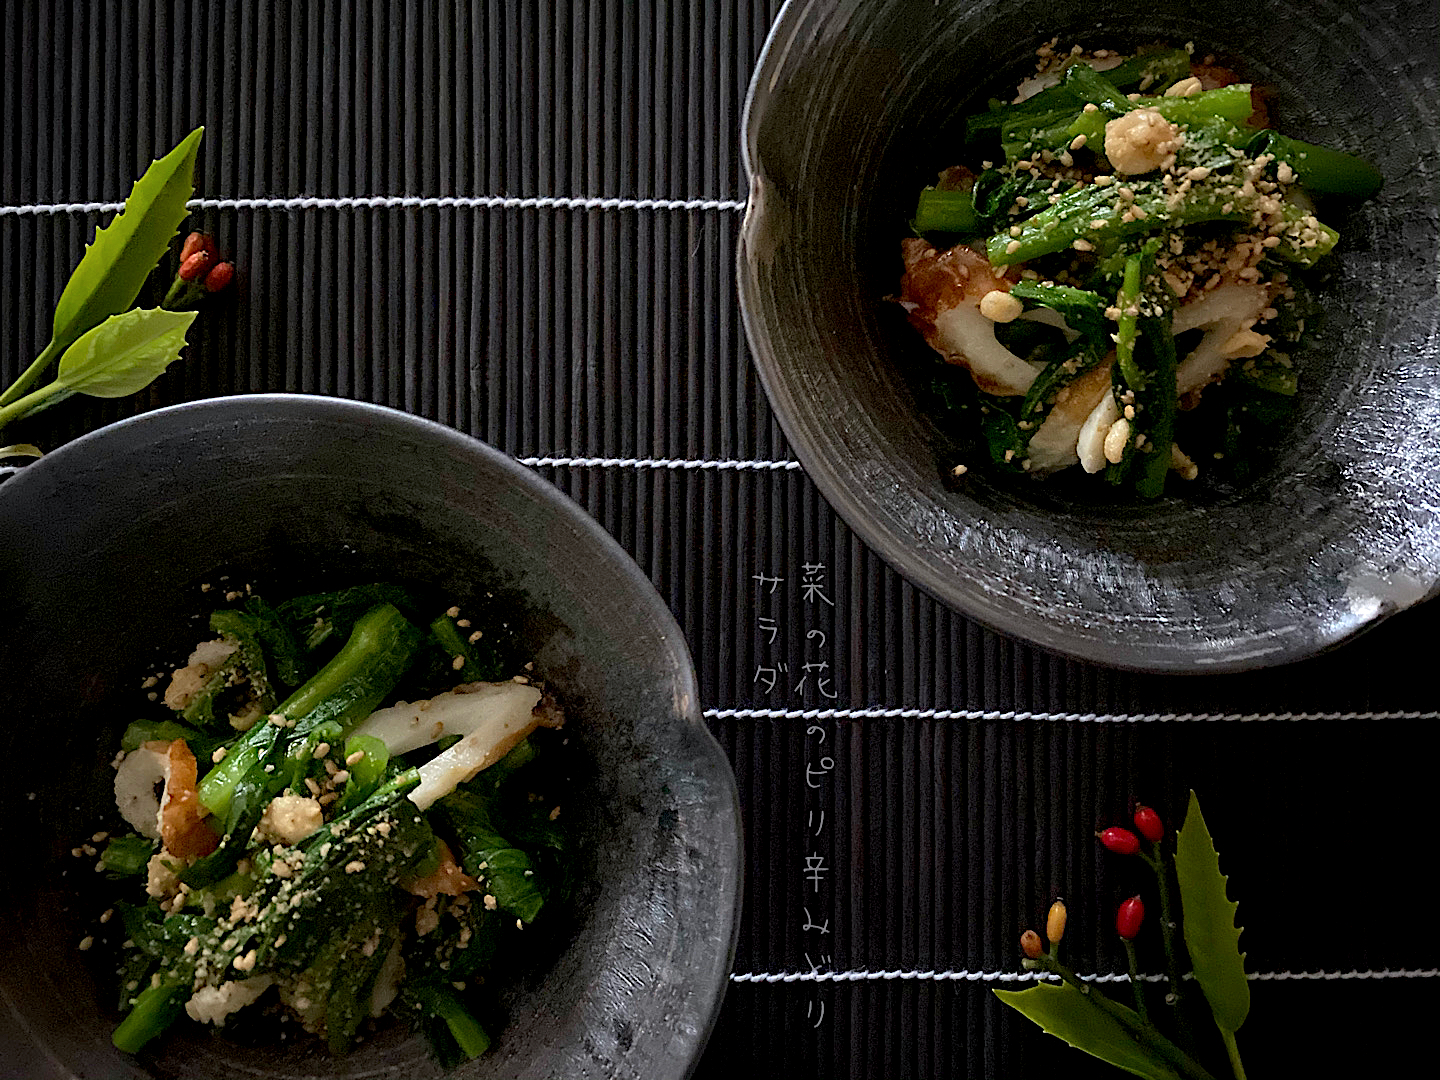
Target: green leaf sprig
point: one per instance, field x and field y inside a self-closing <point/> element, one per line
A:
<point x="102" y="346"/>
<point x="1073" y="1010"/>
<point x="1211" y="934"/>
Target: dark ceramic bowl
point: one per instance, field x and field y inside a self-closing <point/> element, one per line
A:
<point x="854" y="107"/>
<point x="103" y="545"/>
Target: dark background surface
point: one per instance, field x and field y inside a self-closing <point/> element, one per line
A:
<point x="968" y="771"/>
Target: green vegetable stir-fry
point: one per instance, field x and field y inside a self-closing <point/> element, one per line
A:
<point x="301" y="850"/>
<point x="1125" y="239"/>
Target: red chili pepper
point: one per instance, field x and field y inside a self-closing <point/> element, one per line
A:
<point x="193" y="268"/>
<point x="1149" y="824"/>
<point x="1129" y="918"/>
<point x="196" y="242"/>
<point x="1120" y="841"/>
<point x="1030" y="945"/>
<point x="219" y="276"/>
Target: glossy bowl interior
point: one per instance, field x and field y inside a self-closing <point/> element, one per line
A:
<point x="103" y="547"/>
<point x="856" y="105"/>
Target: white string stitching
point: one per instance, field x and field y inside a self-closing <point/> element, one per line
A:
<point x="387" y="202"/>
<point x="880" y="713"/>
<point x="656" y="463"/>
<point x="1018" y="976"/>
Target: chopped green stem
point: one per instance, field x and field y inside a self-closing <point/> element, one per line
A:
<point x="1319" y="168"/>
<point x="1135" y="983"/>
<point x="464" y="1028"/>
<point x="344" y="691"/>
<point x="1099" y="215"/>
<point x="448" y="636"/>
<point x="1294" y="249"/>
<point x="1232" y="103"/>
<point x="345" y="680"/>
<point x="1163" y="67"/>
<point x="1090" y="86"/>
<point x="946" y="211"/>
<point x="1142" y="1029"/>
<point x="1129" y="304"/>
<point x="127" y="855"/>
<point x="1234" y="1051"/>
<point x="38" y="366"/>
<point x="155" y="1010"/>
<point x="1219" y="111"/>
<point x="1156" y="404"/>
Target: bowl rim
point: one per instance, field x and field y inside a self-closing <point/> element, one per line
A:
<point x="536" y="487"/>
<point x="964" y="597"/>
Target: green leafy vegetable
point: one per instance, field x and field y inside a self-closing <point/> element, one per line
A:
<point x="508" y="871"/>
<point x="126" y="856"/>
<point x="365" y="774"/>
<point x="469" y="1036"/>
<point x="155" y="1009"/>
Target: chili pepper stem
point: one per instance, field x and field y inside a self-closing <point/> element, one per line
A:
<point x="1144" y="1031"/>
<point x="47" y="356"/>
<point x="183" y="295"/>
<point x="1234" y="1052"/>
<point x="1135" y="982"/>
<point x="1168" y="928"/>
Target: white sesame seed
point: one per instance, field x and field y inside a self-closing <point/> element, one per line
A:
<point x="86" y="942"/>
<point x="355" y="758"/>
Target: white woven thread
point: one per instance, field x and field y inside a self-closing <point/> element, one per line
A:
<point x="656" y="463"/>
<point x="389" y="202"/>
<point x="1017" y="976"/>
<point x="881" y="713"/>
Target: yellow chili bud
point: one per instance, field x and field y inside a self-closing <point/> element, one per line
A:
<point x="1055" y="922"/>
<point x="1030" y="945"/>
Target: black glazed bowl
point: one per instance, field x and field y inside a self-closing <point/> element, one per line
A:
<point x="103" y="545"/>
<point x="854" y="107"/>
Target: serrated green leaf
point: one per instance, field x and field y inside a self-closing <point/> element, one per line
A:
<point x="1211" y="933"/>
<point x="116" y="264"/>
<point x="125" y="353"/>
<point x="1063" y="1011"/>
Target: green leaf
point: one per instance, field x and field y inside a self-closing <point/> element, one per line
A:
<point x="1211" y="934"/>
<point x="115" y="266"/>
<point x="1064" y="1012"/>
<point x="125" y="353"/>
